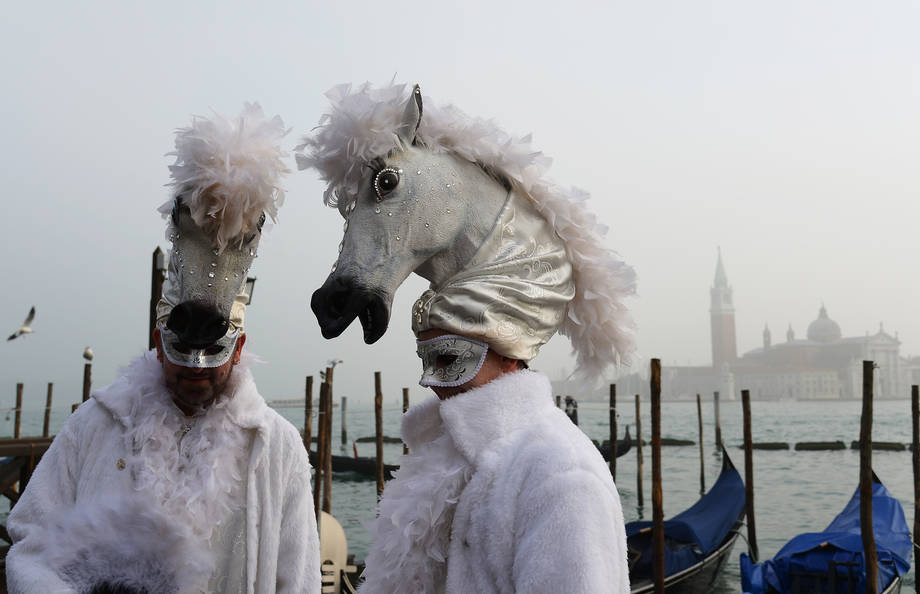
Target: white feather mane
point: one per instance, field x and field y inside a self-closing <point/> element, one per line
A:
<point x="228" y="172"/>
<point x="363" y="125"/>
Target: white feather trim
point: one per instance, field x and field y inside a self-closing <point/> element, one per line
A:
<point x="198" y="479"/>
<point x="197" y="476"/>
<point x="362" y="125"/>
<point x="228" y="172"/>
<point x="411" y="535"/>
<point x="126" y="541"/>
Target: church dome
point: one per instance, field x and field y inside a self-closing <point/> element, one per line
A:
<point x="824" y="329"/>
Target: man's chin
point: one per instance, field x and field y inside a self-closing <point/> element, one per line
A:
<point x="194" y="398"/>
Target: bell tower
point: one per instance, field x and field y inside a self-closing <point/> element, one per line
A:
<point x="722" y="318"/>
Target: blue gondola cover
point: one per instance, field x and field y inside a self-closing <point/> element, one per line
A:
<point x="692" y="534"/>
<point x="841" y="542"/>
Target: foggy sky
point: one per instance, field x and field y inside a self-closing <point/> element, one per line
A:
<point x="785" y="132"/>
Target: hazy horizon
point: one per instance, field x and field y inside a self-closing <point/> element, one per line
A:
<point x="785" y="133"/>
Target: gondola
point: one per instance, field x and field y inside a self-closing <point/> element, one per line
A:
<point x="832" y="560"/>
<point x="623" y="446"/>
<point x="366" y="467"/>
<point x="697" y="541"/>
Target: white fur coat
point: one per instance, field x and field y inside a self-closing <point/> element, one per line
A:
<point x="500" y="493"/>
<point x="117" y="497"/>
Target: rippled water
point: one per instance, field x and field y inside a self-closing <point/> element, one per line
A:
<point x="794" y="491"/>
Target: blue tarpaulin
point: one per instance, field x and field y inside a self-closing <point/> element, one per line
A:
<point x="693" y="534"/>
<point x="841" y="542"/>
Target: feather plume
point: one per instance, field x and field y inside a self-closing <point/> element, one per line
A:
<point x="228" y="172"/>
<point x="124" y="540"/>
<point x="362" y="125"/>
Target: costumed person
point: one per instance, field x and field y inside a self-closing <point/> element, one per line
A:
<point x="500" y="492"/>
<point x="571" y="409"/>
<point x="178" y="477"/>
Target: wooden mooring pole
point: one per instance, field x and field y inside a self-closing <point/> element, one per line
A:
<point x="46" y="426"/>
<point x="699" y="419"/>
<point x="327" y="454"/>
<point x="915" y="415"/>
<point x="640" y="499"/>
<point x="17" y="425"/>
<point x="87" y="380"/>
<point x="657" y="498"/>
<point x="753" y="551"/>
<point x="718" y="419"/>
<point x="378" y="429"/>
<point x="865" y="481"/>
<point x="405" y="410"/>
<point x="320" y="451"/>
<point x="613" y="432"/>
<point x="308" y="414"/>
<point x="344" y="422"/>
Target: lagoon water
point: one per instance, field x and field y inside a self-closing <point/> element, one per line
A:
<point x="794" y="491"/>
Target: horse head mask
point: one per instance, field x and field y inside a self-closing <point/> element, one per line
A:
<point x="511" y="258"/>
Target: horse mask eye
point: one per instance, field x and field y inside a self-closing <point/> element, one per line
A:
<point x="386" y="181"/>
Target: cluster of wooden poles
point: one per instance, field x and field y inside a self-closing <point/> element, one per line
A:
<point x="46" y="426"/>
<point x="865" y="471"/>
<point x="323" y="467"/>
<point x="323" y="477"/>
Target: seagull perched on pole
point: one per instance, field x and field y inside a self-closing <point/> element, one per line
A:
<point x="26" y="327"/>
<point x="88" y="354"/>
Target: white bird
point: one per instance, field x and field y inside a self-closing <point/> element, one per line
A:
<point x="88" y="354"/>
<point x="26" y="327"/>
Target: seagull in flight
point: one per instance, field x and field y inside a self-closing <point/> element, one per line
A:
<point x="26" y="327"/>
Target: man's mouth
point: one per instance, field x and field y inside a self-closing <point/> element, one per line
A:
<point x="194" y="378"/>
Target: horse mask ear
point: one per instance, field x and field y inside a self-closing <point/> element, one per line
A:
<point x="412" y="117"/>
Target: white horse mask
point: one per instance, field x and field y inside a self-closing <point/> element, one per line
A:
<point x="417" y="200"/>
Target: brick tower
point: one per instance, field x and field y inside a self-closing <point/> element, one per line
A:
<point x="722" y="318"/>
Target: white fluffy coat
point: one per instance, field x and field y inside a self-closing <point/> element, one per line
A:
<point x="534" y="508"/>
<point x="92" y="459"/>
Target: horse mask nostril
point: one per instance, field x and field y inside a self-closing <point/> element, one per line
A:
<point x="337" y="303"/>
<point x="198" y="325"/>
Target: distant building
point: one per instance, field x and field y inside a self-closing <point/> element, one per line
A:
<point x="824" y="365"/>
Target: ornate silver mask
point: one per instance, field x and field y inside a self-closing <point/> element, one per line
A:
<point x="450" y="360"/>
<point x="213" y="355"/>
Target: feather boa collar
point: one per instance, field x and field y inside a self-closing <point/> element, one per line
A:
<point x="411" y="534"/>
<point x="197" y="476"/>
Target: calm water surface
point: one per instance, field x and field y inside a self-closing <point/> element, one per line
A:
<point x="794" y="491"/>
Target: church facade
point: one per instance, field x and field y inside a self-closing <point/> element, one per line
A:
<point x="824" y="365"/>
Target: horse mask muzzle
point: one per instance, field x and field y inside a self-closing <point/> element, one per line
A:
<point x="207" y="280"/>
<point x="341" y="299"/>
